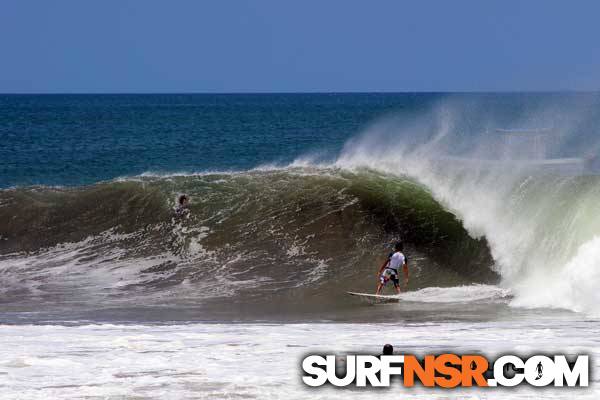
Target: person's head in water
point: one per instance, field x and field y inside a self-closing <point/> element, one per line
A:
<point x="399" y="246"/>
<point x="183" y="199"/>
<point x="388" y="350"/>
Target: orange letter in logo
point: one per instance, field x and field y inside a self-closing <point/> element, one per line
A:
<point x="412" y="367"/>
<point x="452" y="375"/>
<point x="473" y="368"/>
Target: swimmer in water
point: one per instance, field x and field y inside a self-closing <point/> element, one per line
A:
<point x="183" y="202"/>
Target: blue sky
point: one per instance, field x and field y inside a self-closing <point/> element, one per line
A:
<point x="298" y="46"/>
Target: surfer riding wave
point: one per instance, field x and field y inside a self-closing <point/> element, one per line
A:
<point x="389" y="270"/>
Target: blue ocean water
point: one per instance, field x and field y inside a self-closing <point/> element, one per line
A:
<point x="82" y="139"/>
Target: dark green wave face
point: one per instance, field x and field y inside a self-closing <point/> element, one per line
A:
<point x="296" y="239"/>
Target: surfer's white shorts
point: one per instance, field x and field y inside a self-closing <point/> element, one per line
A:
<point x="389" y="275"/>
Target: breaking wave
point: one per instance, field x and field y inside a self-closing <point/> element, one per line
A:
<point x="288" y="235"/>
<point x="533" y="196"/>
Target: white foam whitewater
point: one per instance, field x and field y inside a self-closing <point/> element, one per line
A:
<point x="457" y="294"/>
<point x="259" y="361"/>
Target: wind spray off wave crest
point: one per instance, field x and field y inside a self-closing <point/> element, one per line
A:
<point x="541" y="222"/>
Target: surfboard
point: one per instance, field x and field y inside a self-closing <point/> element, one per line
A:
<point x="375" y="298"/>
